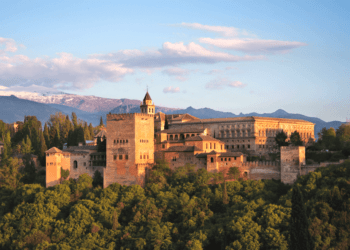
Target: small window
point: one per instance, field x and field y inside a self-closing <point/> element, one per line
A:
<point x="235" y="158"/>
<point x="120" y="157"/>
<point x="242" y="146"/>
<point x="214" y="145"/>
<point x="114" y="141"/>
<point x="211" y="159"/>
<point x="126" y="141"/>
<point x="229" y="159"/>
<point x="84" y="164"/>
<point x="233" y="146"/>
<point x="147" y="157"/>
<point x="206" y="145"/>
<point x="237" y="146"/>
<point x="222" y="159"/>
<point x="75" y="164"/>
<point x="210" y="145"/>
<point x="140" y="157"/>
<point x="163" y="146"/>
<point x="248" y="145"/>
<point x="225" y="159"/>
<point x="117" y="141"/>
<point x="126" y="157"/>
<point x="114" y="157"/>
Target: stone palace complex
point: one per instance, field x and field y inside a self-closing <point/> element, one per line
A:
<point x="136" y="141"/>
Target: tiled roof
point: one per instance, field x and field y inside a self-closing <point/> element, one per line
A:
<point x="53" y="150"/>
<point x="86" y="147"/>
<point x="183" y="149"/>
<point x="102" y="133"/>
<point x="202" y="138"/>
<point x="248" y="118"/>
<point x="147" y="97"/>
<point x="75" y="152"/>
<point x="182" y="130"/>
<point x="98" y="153"/>
<point x="231" y="154"/>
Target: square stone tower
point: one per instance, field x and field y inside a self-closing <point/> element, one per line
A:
<point x="292" y="158"/>
<point x="130" y="147"/>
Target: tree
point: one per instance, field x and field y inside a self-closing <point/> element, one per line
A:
<point x="10" y="175"/>
<point x="225" y="200"/>
<point x="74" y="120"/>
<point x="29" y="170"/>
<point x="300" y="237"/>
<point x="344" y="132"/>
<point x="281" y="138"/>
<point x="166" y="124"/>
<point x="26" y="146"/>
<point x="101" y="122"/>
<point x="97" y="179"/>
<point x="7" y="147"/>
<point x="295" y="139"/>
<point x="234" y="172"/>
<point x="64" y="174"/>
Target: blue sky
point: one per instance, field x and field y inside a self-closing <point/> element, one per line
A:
<point x="237" y="56"/>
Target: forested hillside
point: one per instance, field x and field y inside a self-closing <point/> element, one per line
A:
<point x="176" y="210"/>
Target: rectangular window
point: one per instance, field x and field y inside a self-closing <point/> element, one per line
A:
<point x="120" y="157"/>
<point x="214" y="145"/>
<point x="147" y="157"/>
<point x="235" y="158"/>
<point x="126" y="157"/>
<point x="229" y="159"/>
<point x="225" y="159"/>
<point x="84" y="164"/>
<point x="233" y="146"/>
<point x="237" y="146"/>
<point x="212" y="159"/>
<point x="140" y="157"/>
<point x="248" y="145"/>
<point x="222" y="159"/>
<point x="242" y="146"/>
<point x="114" y="157"/>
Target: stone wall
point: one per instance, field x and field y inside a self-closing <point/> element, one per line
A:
<point x="130" y="148"/>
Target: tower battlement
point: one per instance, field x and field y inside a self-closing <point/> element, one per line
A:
<point x="111" y="117"/>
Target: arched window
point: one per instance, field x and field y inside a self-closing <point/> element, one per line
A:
<point x="75" y="164"/>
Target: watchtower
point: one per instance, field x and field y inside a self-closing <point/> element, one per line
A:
<point x="147" y="106"/>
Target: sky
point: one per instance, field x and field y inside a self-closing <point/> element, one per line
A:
<point x="236" y="56"/>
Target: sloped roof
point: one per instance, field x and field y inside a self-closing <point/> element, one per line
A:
<point x="231" y="154"/>
<point x="102" y="133"/>
<point x="183" y="149"/>
<point x="53" y="150"/>
<point x="202" y="138"/>
<point x="182" y="130"/>
<point x="147" y="97"/>
<point x="86" y="147"/>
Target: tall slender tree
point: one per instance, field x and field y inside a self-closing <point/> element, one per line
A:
<point x="300" y="237"/>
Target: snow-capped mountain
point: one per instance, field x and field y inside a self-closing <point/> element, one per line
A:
<point x="46" y="95"/>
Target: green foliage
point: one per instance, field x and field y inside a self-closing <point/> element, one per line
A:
<point x="281" y="138"/>
<point x="299" y="226"/>
<point x="64" y="173"/>
<point x="234" y="172"/>
<point x="295" y="139"/>
<point x="97" y="179"/>
<point x="178" y="209"/>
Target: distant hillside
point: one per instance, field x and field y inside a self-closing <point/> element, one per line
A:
<point x="13" y="109"/>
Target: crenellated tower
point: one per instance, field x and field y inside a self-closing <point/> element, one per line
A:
<point x="147" y="106"/>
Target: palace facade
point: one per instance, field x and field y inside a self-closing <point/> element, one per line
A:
<point x="136" y="141"/>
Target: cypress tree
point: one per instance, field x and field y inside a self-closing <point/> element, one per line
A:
<point x="224" y="195"/>
<point x="46" y="134"/>
<point x="101" y="121"/>
<point x="300" y="237"/>
<point x="74" y="120"/>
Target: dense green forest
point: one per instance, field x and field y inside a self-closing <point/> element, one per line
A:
<point x="176" y="210"/>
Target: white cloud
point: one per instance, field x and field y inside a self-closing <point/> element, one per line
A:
<point x="220" y="83"/>
<point x="178" y="73"/>
<point x="253" y="45"/>
<point x="171" y="89"/>
<point x="172" y="54"/>
<point x="65" y="71"/>
<point x="222" y="30"/>
<point x="10" y="45"/>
